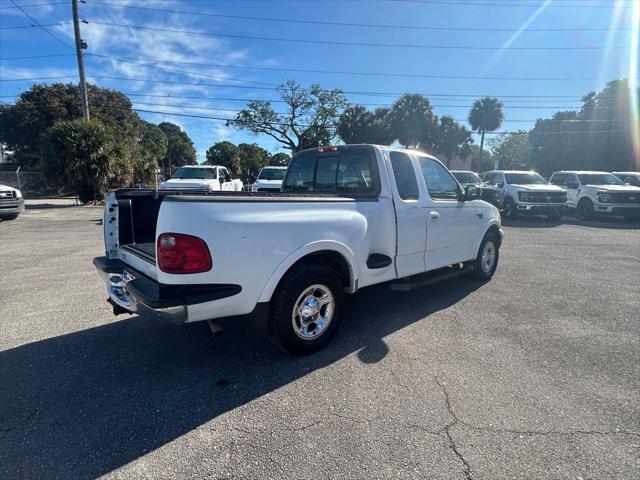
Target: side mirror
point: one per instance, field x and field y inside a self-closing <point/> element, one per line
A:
<point x="572" y="185"/>
<point x="471" y="192"/>
<point x="500" y="184"/>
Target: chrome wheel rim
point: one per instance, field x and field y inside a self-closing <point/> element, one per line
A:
<point x="313" y="312"/>
<point x="488" y="257"/>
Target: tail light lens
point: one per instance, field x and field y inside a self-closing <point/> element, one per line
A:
<point x="181" y="254"/>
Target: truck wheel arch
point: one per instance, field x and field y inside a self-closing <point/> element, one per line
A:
<point x="334" y="254"/>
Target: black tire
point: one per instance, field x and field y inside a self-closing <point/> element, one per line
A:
<point x="632" y="217"/>
<point x="10" y="217"/>
<point x="585" y="209"/>
<point x="480" y="273"/>
<point x="291" y="288"/>
<point x="509" y="208"/>
<point x="554" y="216"/>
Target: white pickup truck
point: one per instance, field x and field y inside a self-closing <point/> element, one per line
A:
<point x="207" y="178"/>
<point x="348" y="217"/>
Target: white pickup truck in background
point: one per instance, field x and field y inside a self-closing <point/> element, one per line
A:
<point x="207" y="178"/>
<point x="348" y="217"/>
<point x="269" y="179"/>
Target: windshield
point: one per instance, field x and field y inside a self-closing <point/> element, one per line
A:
<point x="205" y="173"/>
<point x="466" y="177"/>
<point x="528" y="178"/>
<point x="272" y="174"/>
<point x="599" y="179"/>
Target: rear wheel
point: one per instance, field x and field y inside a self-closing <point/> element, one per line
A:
<point x="306" y="309"/>
<point x="509" y="208"/>
<point x="486" y="262"/>
<point x="632" y="217"/>
<point x="585" y="209"/>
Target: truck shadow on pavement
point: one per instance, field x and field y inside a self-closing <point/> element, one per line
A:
<point x="83" y="404"/>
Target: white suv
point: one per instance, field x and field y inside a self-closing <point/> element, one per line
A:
<point x="598" y="192"/>
<point x="526" y="192"/>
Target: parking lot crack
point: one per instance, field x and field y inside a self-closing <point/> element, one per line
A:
<point x="447" y="431"/>
<point x="22" y="423"/>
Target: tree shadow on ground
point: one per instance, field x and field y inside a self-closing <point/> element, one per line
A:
<point x="83" y="404"/>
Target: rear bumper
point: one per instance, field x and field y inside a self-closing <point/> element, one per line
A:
<point x="134" y="292"/>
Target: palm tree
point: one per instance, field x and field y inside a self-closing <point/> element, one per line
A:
<point x="486" y="116"/>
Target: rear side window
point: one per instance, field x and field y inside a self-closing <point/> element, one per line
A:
<point x="404" y="175"/>
<point x="344" y="171"/>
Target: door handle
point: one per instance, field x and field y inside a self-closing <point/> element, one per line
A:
<point x="434" y="215"/>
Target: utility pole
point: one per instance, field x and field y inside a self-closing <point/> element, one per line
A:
<point x="80" y="45"/>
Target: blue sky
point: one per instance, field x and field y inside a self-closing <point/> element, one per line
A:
<point x="525" y="99"/>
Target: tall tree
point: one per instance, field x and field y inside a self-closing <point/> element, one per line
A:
<point x="280" y="159"/>
<point x="252" y="158"/>
<point x="485" y="116"/>
<point x="598" y="137"/>
<point x="180" y="149"/>
<point x="152" y="148"/>
<point x="226" y="154"/>
<point x="23" y="124"/>
<point x="452" y="139"/>
<point x="413" y="122"/>
<point x="512" y="150"/>
<point x="359" y="125"/>
<point x="308" y="120"/>
<point x="85" y="157"/>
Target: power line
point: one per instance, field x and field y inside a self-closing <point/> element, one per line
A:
<point x="17" y="27"/>
<point x="221" y="85"/>
<point x="353" y="44"/>
<point x="41" y="25"/>
<point x="32" y="5"/>
<point x="287" y="124"/>
<point x="30" y="57"/>
<point x="348" y="24"/>
<point x="245" y="100"/>
<point x="154" y="62"/>
<point x="494" y="4"/>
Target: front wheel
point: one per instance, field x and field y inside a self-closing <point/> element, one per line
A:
<point x="306" y="309"/>
<point x="585" y="209"/>
<point x="486" y="262"/>
<point x="554" y="216"/>
<point x="509" y="208"/>
<point x="10" y="217"/>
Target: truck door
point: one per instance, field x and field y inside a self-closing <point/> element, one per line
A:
<point x="453" y="225"/>
<point x="411" y="226"/>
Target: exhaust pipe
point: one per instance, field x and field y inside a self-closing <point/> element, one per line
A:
<point x="215" y="328"/>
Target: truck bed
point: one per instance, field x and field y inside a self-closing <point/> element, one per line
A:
<point x="146" y="251"/>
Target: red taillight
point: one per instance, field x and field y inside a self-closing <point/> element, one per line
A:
<point x="179" y="253"/>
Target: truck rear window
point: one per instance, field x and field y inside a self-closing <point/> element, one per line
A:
<point x="344" y="171"/>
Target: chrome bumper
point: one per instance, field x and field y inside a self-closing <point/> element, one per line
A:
<point x="118" y="295"/>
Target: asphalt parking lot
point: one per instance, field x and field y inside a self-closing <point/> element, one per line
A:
<point x="535" y="374"/>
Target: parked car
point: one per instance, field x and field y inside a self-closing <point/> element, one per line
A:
<point x="269" y="179"/>
<point x="488" y="193"/>
<point x="632" y="178"/>
<point x="598" y="192"/>
<point x="349" y="217"/>
<point x="526" y="192"/>
<point x="208" y="178"/>
<point x="11" y="203"/>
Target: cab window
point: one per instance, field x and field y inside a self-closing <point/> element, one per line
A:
<point x="440" y="183"/>
<point x="559" y="179"/>
<point x="342" y="171"/>
<point x="404" y="175"/>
